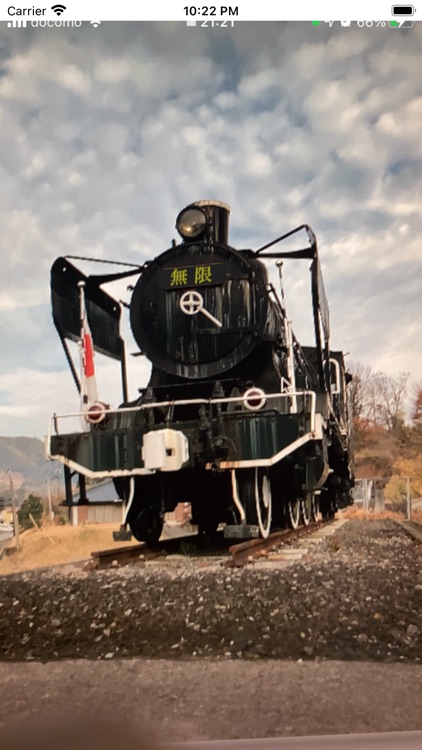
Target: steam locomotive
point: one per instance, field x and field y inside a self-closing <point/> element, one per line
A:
<point x="238" y="419"/>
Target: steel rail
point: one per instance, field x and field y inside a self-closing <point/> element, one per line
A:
<point x="246" y="552"/>
<point x="236" y="555"/>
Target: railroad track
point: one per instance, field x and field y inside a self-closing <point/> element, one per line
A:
<point x="249" y="551"/>
<point x="234" y="555"/>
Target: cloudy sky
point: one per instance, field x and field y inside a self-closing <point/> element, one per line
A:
<point x="105" y="134"/>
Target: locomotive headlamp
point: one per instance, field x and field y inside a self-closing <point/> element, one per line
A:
<point x="191" y="222"/>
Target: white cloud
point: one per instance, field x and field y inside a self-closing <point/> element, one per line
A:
<point x="104" y="139"/>
<point x="71" y="77"/>
<point x="27" y="405"/>
<point x="112" y="71"/>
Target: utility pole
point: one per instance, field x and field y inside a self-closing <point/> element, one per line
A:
<point x="14" y="510"/>
<point x="408" y="500"/>
<point x="50" y="511"/>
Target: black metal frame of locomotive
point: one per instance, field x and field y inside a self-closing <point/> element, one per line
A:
<point x="237" y="419"/>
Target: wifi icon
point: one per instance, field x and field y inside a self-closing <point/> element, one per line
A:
<point x="58" y="9"/>
<point x="95" y="24"/>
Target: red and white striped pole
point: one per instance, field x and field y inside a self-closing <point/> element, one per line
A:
<point x="93" y="411"/>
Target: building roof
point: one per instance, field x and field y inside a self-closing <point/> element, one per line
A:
<point x="104" y="492"/>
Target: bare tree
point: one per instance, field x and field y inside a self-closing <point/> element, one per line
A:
<point x="378" y="397"/>
<point x="415" y="432"/>
<point x="360" y="390"/>
<point x="417" y="404"/>
<point x="389" y="394"/>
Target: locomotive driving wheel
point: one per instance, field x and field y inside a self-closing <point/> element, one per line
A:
<point x="263" y="501"/>
<point x="307" y="508"/>
<point x="148" y="526"/>
<point x="315" y="506"/>
<point x="254" y="492"/>
<point x="293" y="513"/>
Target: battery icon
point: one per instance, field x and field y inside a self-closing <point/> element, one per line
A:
<point x="402" y="10"/>
<point x="401" y="24"/>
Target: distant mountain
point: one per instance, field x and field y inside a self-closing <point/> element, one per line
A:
<point x="25" y="458"/>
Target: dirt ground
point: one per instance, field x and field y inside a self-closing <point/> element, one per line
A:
<point x="217" y="699"/>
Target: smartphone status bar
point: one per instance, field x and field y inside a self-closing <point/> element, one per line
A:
<point x="182" y="10"/>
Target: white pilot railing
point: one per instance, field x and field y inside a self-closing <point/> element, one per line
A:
<point x="309" y="396"/>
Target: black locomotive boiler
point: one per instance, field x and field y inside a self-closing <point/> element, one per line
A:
<point x="238" y="418"/>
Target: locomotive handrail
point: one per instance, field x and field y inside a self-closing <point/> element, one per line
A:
<point x="188" y="402"/>
<point x="319" y="299"/>
<point x="309" y="252"/>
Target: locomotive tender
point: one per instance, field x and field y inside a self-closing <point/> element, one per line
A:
<point x="238" y="418"/>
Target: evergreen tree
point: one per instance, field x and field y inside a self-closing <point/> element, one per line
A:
<point x="32" y="505"/>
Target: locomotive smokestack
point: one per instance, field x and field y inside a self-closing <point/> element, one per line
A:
<point x="218" y="216"/>
<point x="204" y="220"/>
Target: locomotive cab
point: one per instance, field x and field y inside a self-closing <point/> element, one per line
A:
<point x="238" y="419"/>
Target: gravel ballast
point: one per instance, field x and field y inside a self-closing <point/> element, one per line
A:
<point x="356" y="596"/>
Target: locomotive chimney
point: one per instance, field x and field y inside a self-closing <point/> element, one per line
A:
<point x="204" y="220"/>
<point x="217" y="214"/>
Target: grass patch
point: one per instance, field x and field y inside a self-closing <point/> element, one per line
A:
<point x="358" y="514"/>
<point x="53" y="544"/>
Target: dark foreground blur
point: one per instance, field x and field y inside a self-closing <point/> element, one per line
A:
<point x="77" y="734"/>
